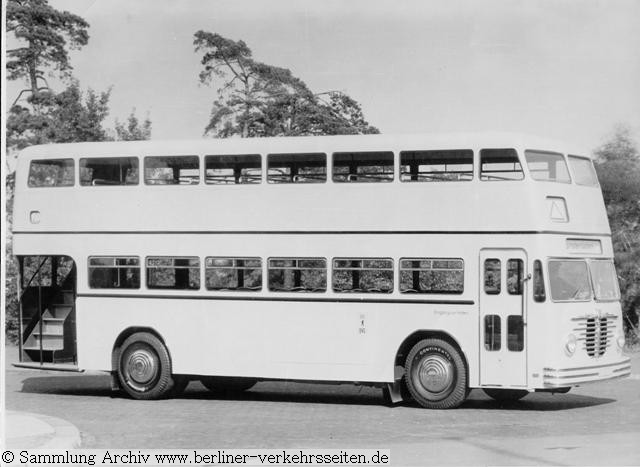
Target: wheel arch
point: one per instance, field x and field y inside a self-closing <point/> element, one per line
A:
<point x="418" y="335"/>
<point x="124" y="334"/>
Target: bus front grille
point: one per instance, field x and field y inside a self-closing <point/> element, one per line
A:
<point x="595" y="334"/>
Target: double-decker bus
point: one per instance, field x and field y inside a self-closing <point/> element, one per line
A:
<point x="424" y="265"/>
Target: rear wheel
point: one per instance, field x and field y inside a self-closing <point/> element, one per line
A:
<point x="144" y="367"/>
<point x="436" y="375"/>
<point x="505" y="395"/>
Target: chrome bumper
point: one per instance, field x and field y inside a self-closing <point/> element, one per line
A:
<point x="563" y="377"/>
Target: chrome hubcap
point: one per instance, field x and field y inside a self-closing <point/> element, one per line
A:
<point x="142" y="366"/>
<point x="436" y="374"/>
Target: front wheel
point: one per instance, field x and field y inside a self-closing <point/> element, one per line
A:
<point x="436" y="375"/>
<point x="505" y="395"/>
<point x="144" y="367"/>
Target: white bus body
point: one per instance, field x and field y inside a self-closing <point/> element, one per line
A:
<point x="472" y="244"/>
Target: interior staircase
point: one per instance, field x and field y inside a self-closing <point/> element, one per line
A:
<point x="48" y="321"/>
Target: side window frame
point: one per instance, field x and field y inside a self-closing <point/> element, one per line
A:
<point x="118" y="269"/>
<point x="239" y="163"/>
<point x="173" y="181"/>
<point x="361" y="270"/>
<point x="133" y="165"/>
<point x="515" y="159"/>
<point x="366" y="176"/>
<point x="60" y="163"/>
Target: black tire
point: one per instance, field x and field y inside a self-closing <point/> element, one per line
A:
<point x="436" y="375"/>
<point x="144" y="367"/>
<point x="505" y="395"/>
<point x="227" y="385"/>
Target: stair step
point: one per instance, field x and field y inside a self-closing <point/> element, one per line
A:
<point x="45" y="346"/>
<point x="49" y="334"/>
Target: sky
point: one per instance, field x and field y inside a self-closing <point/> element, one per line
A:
<point x="567" y="70"/>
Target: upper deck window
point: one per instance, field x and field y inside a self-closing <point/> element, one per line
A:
<point x="297" y="168"/>
<point x="172" y="170"/>
<point x="547" y="166"/>
<point x="583" y="171"/>
<point x="500" y="164"/>
<point x="363" y="167"/>
<point x="51" y="172"/>
<point x="233" y="169"/>
<point x="109" y="171"/>
<point x="436" y="166"/>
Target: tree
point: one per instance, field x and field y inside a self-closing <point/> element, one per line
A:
<point x="618" y="167"/>
<point x="256" y="99"/>
<point x="69" y="116"/>
<point x="133" y="131"/>
<point x="45" y="32"/>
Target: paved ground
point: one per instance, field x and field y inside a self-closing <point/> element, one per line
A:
<point x="592" y="425"/>
<point x="28" y="431"/>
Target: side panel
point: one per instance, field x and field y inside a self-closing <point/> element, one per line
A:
<point x="271" y="339"/>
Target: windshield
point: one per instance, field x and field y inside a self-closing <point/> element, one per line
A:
<point x="583" y="171"/>
<point x="569" y="280"/>
<point x="605" y="284"/>
<point x="547" y="166"/>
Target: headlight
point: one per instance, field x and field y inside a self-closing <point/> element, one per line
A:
<point x="571" y="345"/>
<point x="621" y="341"/>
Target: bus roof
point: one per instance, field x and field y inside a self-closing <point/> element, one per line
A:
<point x="309" y="144"/>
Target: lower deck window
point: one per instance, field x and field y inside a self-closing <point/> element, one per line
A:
<point x="431" y="275"/>
<point x="223" y="273"/>
<point x="569" y="280"/>
<point x="492" y="332"/>
<point x="515" y="333"/>
<point x="107" y="272"/>
<point x="539" y="294"/>
<point x="173" y="273"/>
<point x="492" y="276"/>
<point x="363" y="275"/>
<point x="297" y="274"/>
<point x="605" y="281"/>
<point x="515" y="276"/>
